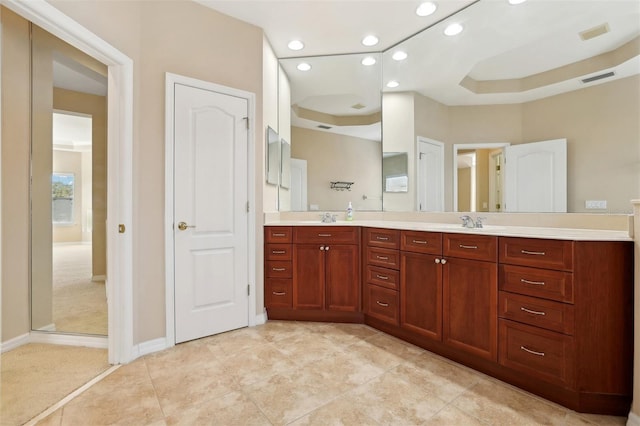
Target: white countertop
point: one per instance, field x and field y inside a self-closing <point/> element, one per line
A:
<point x="496" y="230"/>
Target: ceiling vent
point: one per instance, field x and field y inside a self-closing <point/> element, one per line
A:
<point x="594" y="32"/>
<point x="358" y="106"/>
<point x="598" y="77"/>
<point x="322" y="126"/>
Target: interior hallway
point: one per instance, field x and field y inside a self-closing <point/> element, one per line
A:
<point x="307" y="373"/>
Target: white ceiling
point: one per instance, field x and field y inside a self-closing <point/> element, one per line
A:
<point x="500" y="41"/>
<point x="71" y="132"/>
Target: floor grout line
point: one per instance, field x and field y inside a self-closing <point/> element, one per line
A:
<point x="71" y="396"/>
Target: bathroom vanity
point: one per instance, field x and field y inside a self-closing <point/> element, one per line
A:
<point x="550" y="312"/>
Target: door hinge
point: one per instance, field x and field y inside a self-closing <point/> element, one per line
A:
<point x="247" y="118"/>
<point x="248" y="289"/>
<point x="247" y="207"/>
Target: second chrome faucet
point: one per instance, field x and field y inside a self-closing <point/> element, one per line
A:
<point x="467" y="222"/>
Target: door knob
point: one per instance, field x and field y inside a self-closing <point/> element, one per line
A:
<point x="183" y="226"/>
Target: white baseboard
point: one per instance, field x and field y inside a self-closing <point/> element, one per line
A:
<point x="48" y="327"/>
<point x="149" y="347"/>
<point x="69" y="340"/>
<point x="633" y="420"/>
<point x="261" y="318"/>
<point x="16" y="342"/>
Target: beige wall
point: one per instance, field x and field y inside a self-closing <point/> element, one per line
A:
<point x="15" y="174"/>
<point x="160" y="36"/>
<point x="603" y="140"/>
<point x="270" y="118"/>
<point x="339" y="158"/>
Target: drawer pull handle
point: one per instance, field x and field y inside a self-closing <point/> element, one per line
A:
<point x="531" y="352"/>
<point x="382" y="238"/>
<point x="278" y="251"/>
<point x="324" y="235"/>
<point x="529" y="311"/>
<point x="278" y="235"/>
<point x="419" y="242"/>
<point x="382" y="277"/>
<point x="382" y="258"/>
<point x="384" y="305"/>
<point x="533" y="253"/>
<point x="278" y="269"/>
<point x="462" y="246"/>
<point x="522" y="280"/>
<point x="279" y="293"/>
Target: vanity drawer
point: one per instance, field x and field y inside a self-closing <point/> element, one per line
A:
<point x="383" y="257"/>
<point x="326" y="234"/>
<point x="553" y="285"/>
<point x="465" y="246"/>
<point x="278" y="293"/>
<point x="540" y="353"/>
<point x="277" y="234"/>
<point x="382" y="303"/>
<point x="383" y="277"/>
<point x="386" y="238"/>
<point x="279" y="269"/>
<point x="278" y="252"/>
<point x="543" y="313"/>
<point x="551" y="254"/>
<point x="421" y="242"/>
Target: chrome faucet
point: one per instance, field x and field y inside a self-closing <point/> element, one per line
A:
<point x="328" y="218"/>
<point x="467" y="222"/>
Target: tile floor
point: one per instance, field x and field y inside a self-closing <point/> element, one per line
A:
<point x="307" y="374"/>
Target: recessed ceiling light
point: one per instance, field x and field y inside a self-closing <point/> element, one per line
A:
<point x="295" y="45"/>
<point x="370" y="40"/>
<point x="399" y="55"/>
<point x="453" y="29"/>
<point x="393" y="84"/>
<point x="516" y="1"/>
<point x="368" y="61"/>
<point x="303" y="66"/>
<point x="426" y="9"/>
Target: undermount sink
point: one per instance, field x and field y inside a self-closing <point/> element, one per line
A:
<point x="463" y="228"/>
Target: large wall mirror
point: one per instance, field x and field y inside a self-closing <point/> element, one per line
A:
<point x="68" y="188"/>
<point x="522" y="74"/>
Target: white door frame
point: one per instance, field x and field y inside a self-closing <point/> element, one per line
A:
<point x="463" y="146"/>
<point x="119" y="158"/>
<point x="170" y="81"/>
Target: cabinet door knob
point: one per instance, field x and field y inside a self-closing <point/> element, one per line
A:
<point x="327" y="248"/>
<point x="437" y="260"/>
<point x="322" y="248"/>
<point x="443" y="261"/>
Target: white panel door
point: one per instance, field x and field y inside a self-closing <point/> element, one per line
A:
<point x="298" y="185"/>
<point x="430" y="186"/>
<point x="210" y="229"/>
<point x="536" y="177"/>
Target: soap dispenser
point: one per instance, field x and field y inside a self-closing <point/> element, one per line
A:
<point x="349" y="211"/>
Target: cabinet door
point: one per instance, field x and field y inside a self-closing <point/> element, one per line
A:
<point x="308" y="276"/>
<point x="342" y="277"/>
<point x="421" y="294"/>
<point x="470" y="311"/>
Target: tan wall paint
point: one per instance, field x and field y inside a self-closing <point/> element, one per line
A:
<point x="482" y="180"/>
<point x="165" y="36"/>
<point x="270" y="118"/>
<point x="399" y="135"/>
<point x="15" y="174"/>
<point x="96" y="106"/>
<point x="358" y="160"/>
<point x="603" y="139"/>
<point x="464" y="189"/>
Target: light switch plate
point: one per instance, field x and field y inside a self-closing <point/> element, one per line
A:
<point x="595" y="204"/>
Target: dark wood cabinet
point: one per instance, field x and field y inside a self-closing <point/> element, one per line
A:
<point x="470" y="320"/>
<point x="421" y="294"/>
<point x="554" y="317"/>
<point x="325" y="274"/>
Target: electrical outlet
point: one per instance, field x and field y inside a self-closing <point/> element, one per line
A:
<point x="595" y="204"/>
